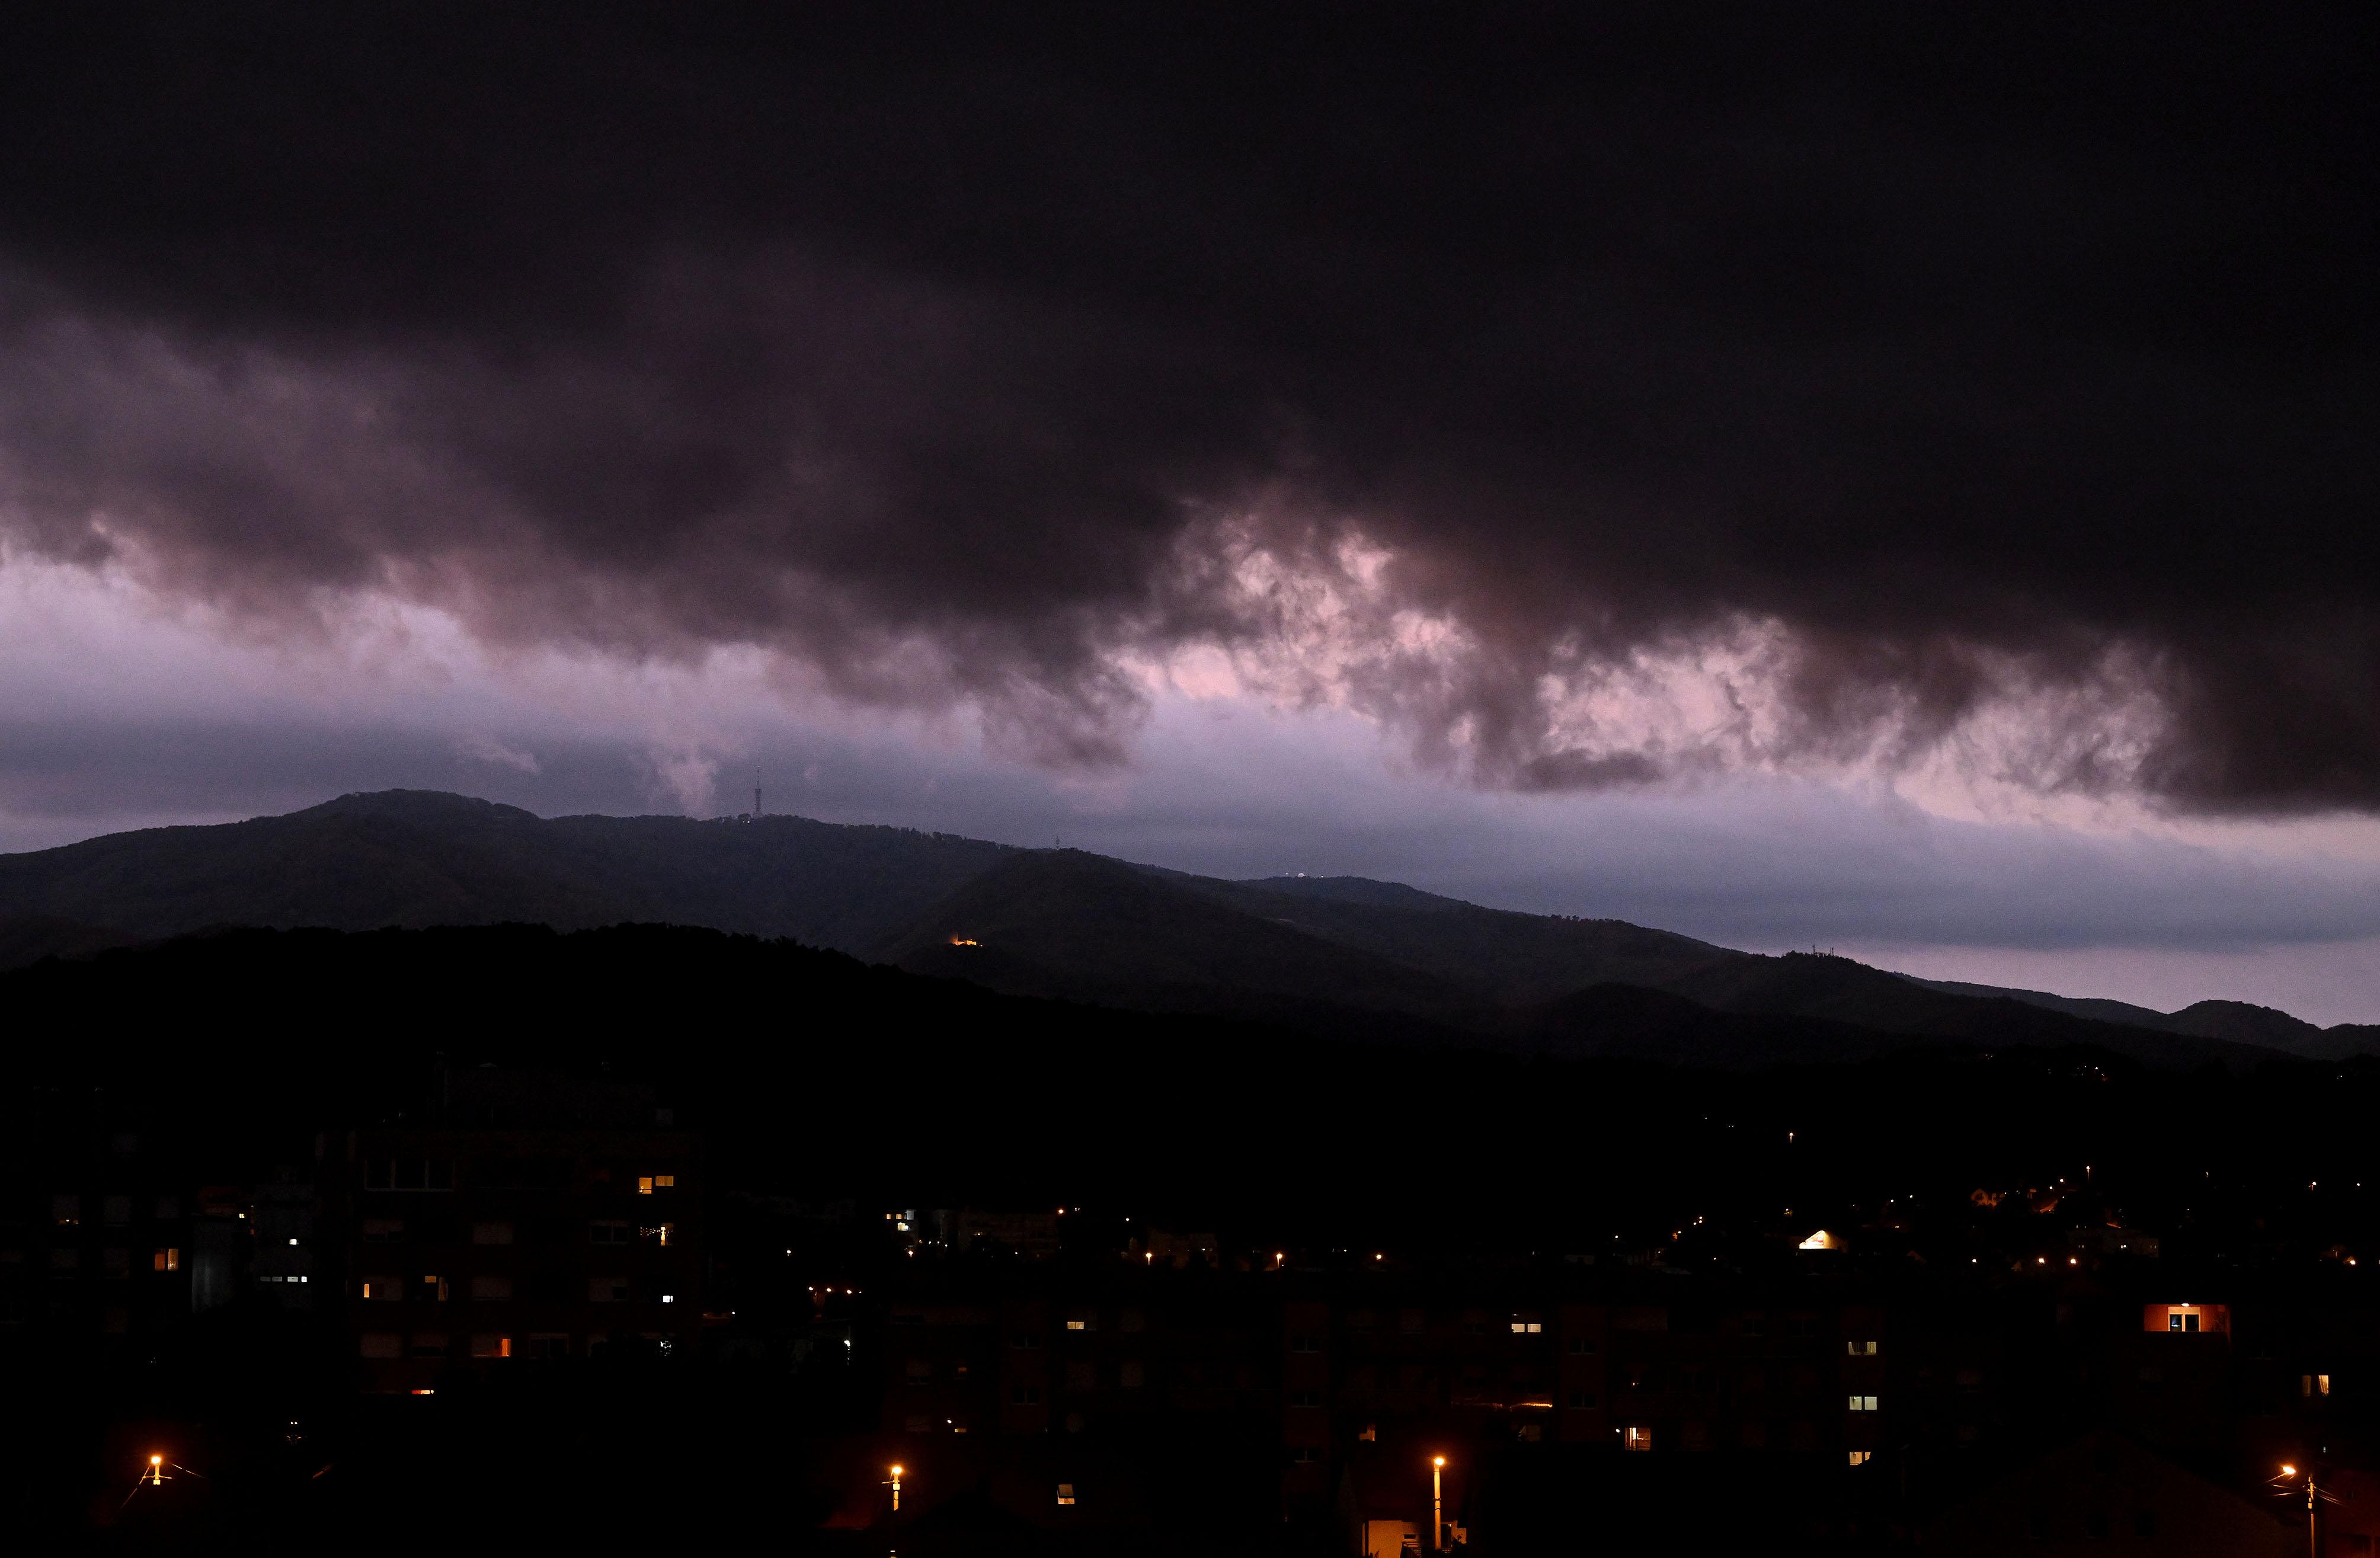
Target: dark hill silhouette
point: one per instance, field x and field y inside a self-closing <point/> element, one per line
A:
<point x="1336" y="954"/>
<point x="1067" y="923"/>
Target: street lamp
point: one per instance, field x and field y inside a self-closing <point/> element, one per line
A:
<point x="2315" y="1497"/>
<point x="897" y="1490"/>
<point x="1438" y="1503"/>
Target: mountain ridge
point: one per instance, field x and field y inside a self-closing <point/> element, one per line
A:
<point x="1344" y="954"/>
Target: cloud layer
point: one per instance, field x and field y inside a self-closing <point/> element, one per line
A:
<point x="1592" y="399"/>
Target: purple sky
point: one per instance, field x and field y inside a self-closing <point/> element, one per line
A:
<point x="1883" y="480"/>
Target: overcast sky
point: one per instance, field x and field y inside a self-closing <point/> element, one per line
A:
<point x="1896" y="479"/>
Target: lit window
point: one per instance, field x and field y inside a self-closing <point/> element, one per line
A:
<point x="1078" y="1325"/>
<point x="383" y="1290"/>
<point x="2314" y="1384"/>
<point x="645" y="1186"/>
<point x="1636" y="1437"/>
<point x="1065" y="1493"/>
<point x="485" y="1345"/>
<point x="1863" y="1404"/>
<point x="1861" y="1457"/>
<point x="2181" y="1320"/>
<point x="434" y="1289"/>
<point x="1860" y="1349"/>
<point x="665" y="1182"/>
<point x="1527" y="1327"/>
<point x="167" y="1260"/>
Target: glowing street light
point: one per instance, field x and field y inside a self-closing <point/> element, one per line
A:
<point x="1438" y="1503"/>
<point x="897" y="1490"/>
<point x="2315" y="1497"/>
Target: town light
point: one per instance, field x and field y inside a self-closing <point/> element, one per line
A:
<point x="1436" y="1503"/>
<point x="2288" y="1471"/>
<point x="156" y="1460"/>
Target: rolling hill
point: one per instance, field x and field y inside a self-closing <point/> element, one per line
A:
<point x="1343" y="955"/>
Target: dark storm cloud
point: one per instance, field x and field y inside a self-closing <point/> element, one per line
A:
<point x="1975" y="357"/>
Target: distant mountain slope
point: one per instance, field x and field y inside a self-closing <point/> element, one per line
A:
<point x="1081" y="926"/>
<point x="2233" y="1021"/>
<point x="1342" y="954"/>
<point x="1838" y="990"/>
<point x="416" y="859"/>
<point x="1502" y="957"/>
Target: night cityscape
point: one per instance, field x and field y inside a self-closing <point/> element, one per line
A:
<point x="1313" y="781"/>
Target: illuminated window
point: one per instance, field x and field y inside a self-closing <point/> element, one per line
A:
<point x="167" y="1260"/>
<point x="1527" y="1327"/>
<point x="1860" y="1349"/>
<point x="648" y="1183"/>
<point x="1861" y="1457"/>
<point x="1078" y="1325"/>
<point x="484" y="1346"/>
<point x="383" y="1290"/>
<point x="434" y="1289"/>
<point x="2314" y="1384"/>
<point x="2181" y="1320"/>
<point x="1065" y="1493"/>
<point x="1636" y="1437"/>
<point x="659" y="1233"/>
<point x="1863" y="1404"/>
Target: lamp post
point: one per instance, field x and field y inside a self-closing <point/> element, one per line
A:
<point x="1438" y="1503"/>
<point x="897" y="1490"/>
<point x="2315" y="1497"/>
